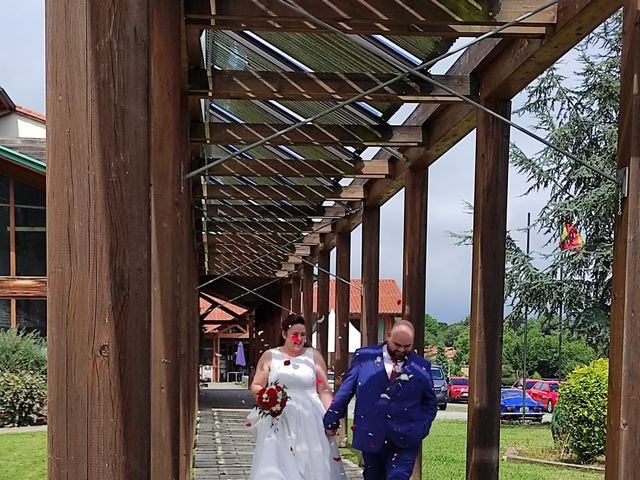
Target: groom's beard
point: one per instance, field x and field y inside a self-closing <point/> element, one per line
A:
<point x="398" y="356"/>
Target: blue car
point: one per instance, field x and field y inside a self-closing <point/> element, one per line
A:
<point x="511" y="406"/>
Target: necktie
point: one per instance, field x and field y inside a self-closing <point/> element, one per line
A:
<point x="394" y="372"/>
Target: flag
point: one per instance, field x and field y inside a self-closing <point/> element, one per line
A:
<point x="570" y="238"/>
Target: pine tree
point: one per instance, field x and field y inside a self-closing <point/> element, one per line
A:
<point x="583" y="120"/>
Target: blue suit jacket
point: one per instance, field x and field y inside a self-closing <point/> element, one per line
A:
<point x="400" y="411"/>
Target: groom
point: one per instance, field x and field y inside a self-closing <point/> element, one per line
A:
<point x="395" y="404"/>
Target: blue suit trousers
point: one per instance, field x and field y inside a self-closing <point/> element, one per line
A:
<point x="390" y="463"/>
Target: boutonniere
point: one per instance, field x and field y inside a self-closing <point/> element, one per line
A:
<point x="404" y="377"/>
<point x="378" y="360"/>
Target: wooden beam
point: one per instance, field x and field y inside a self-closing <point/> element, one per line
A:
<point x="342" y="309"/>
<point x="255" y="226"/>
<point x="322" y="295"/>
<point x="99" y="274"/>
<point x="623" y="422"/>
<point x="307" y="298"/>
<point x="301" y="212"/>
<point x="370" y="274"/>
<point x="419" y="29"/>
<point x="245" y="239"/>
<point x="317" y="86"/>
<point x="377" y="17"/>
<point x="318" y="135"/>
<point x="285" y="300"/>
<point x="299" y="192"/>
<point x="296" y="304"/>
<point x="17" y="287"/>
<point x="414" y="269"/>
<point x="487" y="292"/>
<point x="300" y="168"/>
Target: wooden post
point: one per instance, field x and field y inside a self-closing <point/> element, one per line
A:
<point x="487" y="292"/>
<point x="307" y="298"/>
<point x="168" y="151"/>
<point x="98" y="177"/>
<point x="295" y="293"/>
<point x="323" y="303"/>
<point x="116" y="136"/>
<point x="623" y="421"/>
<point x="343" y="291"/>
<point x="415" y="263"/>
<point x="370" y="274"/>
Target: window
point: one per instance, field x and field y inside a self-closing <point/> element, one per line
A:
<point x="5" y="242"/>
<point x="5" y="314"/>
<point x="31" y="315"/>
<point x="31" y="247"/>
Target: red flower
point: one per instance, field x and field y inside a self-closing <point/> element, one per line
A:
<point x="353" y="427"/>
<point x="287" y="362"/>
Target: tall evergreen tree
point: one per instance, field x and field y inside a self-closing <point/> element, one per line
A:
<point x="583" y="120"/>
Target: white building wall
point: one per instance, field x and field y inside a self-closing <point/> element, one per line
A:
<point x="8" y="126"/>
<point x="29" y="128"/>
<point x="15" y="125"/>
<point x="355" y="337"/>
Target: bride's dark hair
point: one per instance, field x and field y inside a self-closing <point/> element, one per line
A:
<point x="291" y="320"/>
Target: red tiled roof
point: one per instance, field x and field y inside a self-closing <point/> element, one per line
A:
<point x="218" y="313"/>
<point x="31" y="114"/>
<point x="389" y="303"/>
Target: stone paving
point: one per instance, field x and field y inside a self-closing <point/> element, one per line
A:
<point x="224" y="448"/>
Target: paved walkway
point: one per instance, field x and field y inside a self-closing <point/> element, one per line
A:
<point x="224" y="448"/>
<point x="37" y="428"/>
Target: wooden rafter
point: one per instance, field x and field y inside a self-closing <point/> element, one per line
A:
<point x="277" y="211"/>
<point x="426" y="18"/>
<point x="337" y="135"/>
<point x="267" y="85"/>
<point x="299" y="192"/>
<point x="300" y="168"/>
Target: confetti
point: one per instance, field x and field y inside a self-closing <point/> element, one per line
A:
<point x="384" y="395"/>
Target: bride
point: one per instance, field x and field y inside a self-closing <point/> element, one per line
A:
<point x="294" y="445"/>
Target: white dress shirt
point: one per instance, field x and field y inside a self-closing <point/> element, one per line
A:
<point x="388" y="361"/>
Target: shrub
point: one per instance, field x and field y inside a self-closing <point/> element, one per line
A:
<point x="22" y="352"/>
<point x="559" y="430"/>
<point x="584" y="402"/>
<point x="23" y="398"/>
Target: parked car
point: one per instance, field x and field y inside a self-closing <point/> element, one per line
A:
<point x="458" y="389"/>
<point x="546" y="392"/>
<point x="530" y="383"/>
<point x="440" y="387"/>
<point x="511" y="406"/>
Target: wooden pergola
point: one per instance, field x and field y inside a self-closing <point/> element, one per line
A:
<point x="155" y="187"/>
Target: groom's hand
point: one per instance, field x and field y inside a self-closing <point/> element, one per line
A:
<point x="331" y="433"/>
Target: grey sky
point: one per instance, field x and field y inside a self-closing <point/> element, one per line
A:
<point x="450" y="179"/>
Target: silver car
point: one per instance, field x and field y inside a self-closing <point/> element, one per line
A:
<point x="440" y="387"/>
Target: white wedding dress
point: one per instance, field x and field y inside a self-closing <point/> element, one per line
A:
<point x="295" y="446"/>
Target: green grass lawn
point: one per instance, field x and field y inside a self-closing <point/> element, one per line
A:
<point x="444" y="453"/>
<point x="23" y="456"/>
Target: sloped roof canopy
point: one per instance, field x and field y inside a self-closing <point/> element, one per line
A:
<point x="270" y="208"/>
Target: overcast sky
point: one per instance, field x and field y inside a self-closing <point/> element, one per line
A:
<point x="450" y="178"/>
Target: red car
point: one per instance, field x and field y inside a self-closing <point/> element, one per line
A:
<point x="546" y="392"/>
<point x="458" y="389"/>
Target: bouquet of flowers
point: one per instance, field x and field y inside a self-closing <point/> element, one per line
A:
<point x="271" y="401"/>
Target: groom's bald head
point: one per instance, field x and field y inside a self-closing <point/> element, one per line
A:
<point x="400" y="342"/>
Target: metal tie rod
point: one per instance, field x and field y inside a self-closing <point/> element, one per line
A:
<point x="367" y="92"/>
<point x="364" y="44"/>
